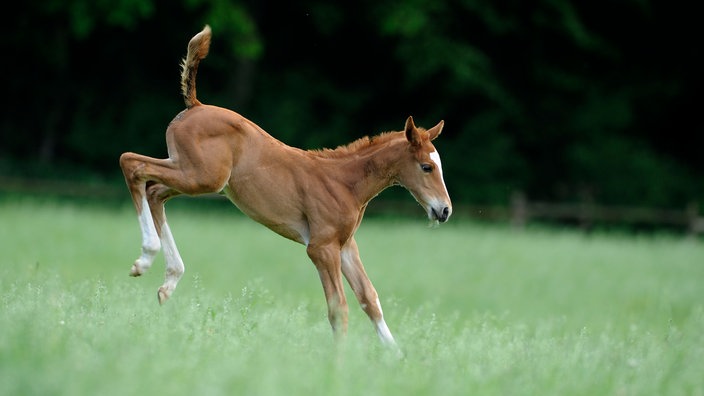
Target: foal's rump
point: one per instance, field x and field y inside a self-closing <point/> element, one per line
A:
<point x="205" y="166"/>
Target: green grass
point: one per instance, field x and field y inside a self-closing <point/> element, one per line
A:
<point x="477" y="309"/>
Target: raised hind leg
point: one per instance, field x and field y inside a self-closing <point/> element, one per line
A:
<point x="150" y="238"/>
<point x="157" y="195"/>
<point x="153" y="181"/>
<point x="364" y="290"/>
<point x="136" y="169"/>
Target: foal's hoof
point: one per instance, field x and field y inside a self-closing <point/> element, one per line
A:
<point x="398" y="353"/>
<point x="163" y="294"/>
<point x="135" y="271"/>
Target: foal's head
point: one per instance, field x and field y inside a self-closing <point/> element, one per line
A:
<point x="420" y="172"/>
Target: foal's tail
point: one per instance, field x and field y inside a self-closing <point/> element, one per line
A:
<point x="197" y="50"/>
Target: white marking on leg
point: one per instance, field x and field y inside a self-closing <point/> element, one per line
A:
<point x="382" y="329"/>
<point x="174" y="263"/>
<point x="384" y="333"/>
<point x="150" y="241"/>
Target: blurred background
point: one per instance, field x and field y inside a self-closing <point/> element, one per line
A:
<point x="554" y="100"/>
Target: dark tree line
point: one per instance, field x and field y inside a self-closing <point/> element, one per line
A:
<point x="556" y="98"/>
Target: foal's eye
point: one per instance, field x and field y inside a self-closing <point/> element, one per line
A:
<point x="427" y="168"/>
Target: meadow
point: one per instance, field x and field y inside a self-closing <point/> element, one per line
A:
<point x="477" y="309"/>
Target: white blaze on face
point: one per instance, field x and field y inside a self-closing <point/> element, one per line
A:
<point x="436" y="158"/>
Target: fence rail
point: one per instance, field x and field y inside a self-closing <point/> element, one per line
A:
<point x="588" y="213"/>
<point x="521" y="211"/>
<point x="518" y="213"/>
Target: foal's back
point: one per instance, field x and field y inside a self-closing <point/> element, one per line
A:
<point x="262" y="176"/>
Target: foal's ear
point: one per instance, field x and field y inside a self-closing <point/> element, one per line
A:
<point x="435" y="131"/>
<point x="412" y="133"/>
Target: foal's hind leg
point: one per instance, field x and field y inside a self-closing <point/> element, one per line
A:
<point x="157" y="195"/>
<point x="150" y="238"/>
<point x="133" y="166"/>
<point x="165" y="178"/>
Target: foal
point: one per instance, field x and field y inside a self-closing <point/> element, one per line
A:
<point x="316" y="198"/>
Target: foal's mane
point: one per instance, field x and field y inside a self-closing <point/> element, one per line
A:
<point x="358" y="145"/>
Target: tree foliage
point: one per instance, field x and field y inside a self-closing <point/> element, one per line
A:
<point x="553" y="97"/>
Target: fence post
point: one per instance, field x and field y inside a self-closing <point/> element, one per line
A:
<point x="695" y="224"/>
<point x="587" y="209"/>
<point x="519" y="210"/>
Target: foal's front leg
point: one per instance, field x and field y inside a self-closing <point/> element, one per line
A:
<point x="364" y="290"/>
<point x="327" y="260"/>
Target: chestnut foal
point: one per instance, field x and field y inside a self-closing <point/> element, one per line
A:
<point x="316" y="198"/>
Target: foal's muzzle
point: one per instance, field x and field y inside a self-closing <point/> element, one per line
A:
<point x="441" y="215"/>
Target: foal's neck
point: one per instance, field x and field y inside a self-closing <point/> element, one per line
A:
<point x="371" y="169"/>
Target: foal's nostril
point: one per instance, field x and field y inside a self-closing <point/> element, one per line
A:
<point x="443" y="215"/>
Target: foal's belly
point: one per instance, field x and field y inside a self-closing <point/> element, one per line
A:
<point x="282" y="219"/>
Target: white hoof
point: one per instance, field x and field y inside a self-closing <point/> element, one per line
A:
<point x="163" y="294"/>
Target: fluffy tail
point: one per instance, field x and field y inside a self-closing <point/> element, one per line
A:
<point x="197" y="49"/>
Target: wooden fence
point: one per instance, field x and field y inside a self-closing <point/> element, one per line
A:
<point x="520" y="212"/>
<point x="586" y="215"/>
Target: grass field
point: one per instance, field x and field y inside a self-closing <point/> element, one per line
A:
<point x="477" y="309"/>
